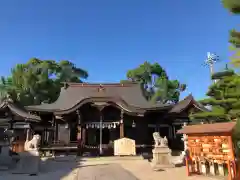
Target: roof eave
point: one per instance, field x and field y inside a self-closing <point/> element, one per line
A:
<point x="158" y="108"/>
<point x="9" y="104"/>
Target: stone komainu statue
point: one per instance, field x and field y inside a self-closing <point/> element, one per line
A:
<point x="164" y="141"/>
<point x="32" y="144"/>
<point x="159" y="141"/>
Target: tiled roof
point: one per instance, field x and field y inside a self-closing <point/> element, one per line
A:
<point x="129" y="96"/>
<point x="185" y="103"/>
<point x="19" y="110"/>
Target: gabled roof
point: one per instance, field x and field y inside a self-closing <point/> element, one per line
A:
<point x="128" y="96"/>
<point x="186" y="103"/>
<point x="18" y="110"/>
<point x="208" y="128"/>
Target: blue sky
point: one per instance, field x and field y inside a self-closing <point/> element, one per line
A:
<point x="109" y="37"/>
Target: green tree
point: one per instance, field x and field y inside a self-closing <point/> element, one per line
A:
<point x="7" y="88"/>
<point x="234" y="7"/>
<point x="235" y="48"/>
<point x="224" y="96"/>
<point x="155" y="83"/>
<point x="39" y="81"/>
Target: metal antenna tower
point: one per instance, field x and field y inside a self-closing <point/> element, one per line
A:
<point x="210" y="61"/>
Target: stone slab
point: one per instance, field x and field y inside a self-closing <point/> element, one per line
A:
<point x="28" y="164"/>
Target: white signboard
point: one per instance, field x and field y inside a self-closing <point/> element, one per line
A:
<point x="124" y="147"/>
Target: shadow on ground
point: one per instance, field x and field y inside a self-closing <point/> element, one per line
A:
<point x="59" y="168"/>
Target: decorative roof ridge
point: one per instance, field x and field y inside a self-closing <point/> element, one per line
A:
<point x="102" y="84"/>
<point x="189" y="96"/>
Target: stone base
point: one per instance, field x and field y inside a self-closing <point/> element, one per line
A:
<point x="161" y="158"/>
<point x="159" y="167"/>
<point x="28" y="164"/>
<point x="5" y="159"/>
<point x="4" y="168"/>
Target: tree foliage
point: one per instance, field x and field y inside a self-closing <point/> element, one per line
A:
<point x="155" y="82"/>
<point x="234" y="7"/>
<point x="224" y="98"/>
<point x="39" y="81"/>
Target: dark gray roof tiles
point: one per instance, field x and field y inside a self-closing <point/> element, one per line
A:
<point x="185" y="103"/>
<point x="129" y="96"/>
<point x="19" y="110"/>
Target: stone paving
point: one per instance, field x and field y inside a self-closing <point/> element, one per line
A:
<point x="102" y="169"/>
<point x="136" y="170"/>
<point x="104" y="172"/>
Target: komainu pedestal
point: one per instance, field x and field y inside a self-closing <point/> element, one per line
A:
<point x="29" y="159"/>
<point x="6" y="161"/>
<point x="29" y="163"/>
<point x="161" y="153"/>
<point x="161" y="158"/>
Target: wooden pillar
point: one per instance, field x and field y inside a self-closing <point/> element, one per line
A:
<point x="56" y="130"/>
<point x="174" y="131"/>
<point x="229" y="170"/>
<point x="80" y="134"/>
<point x="170" y="131"/>
<point x="187" y="166"/>
<point x="101" y="135"/>
<point x="121" y="125"/>
<point x="79" y="126"/>
<point x="54" y="125"/>
<point x="100" y="106"/>
<point x="233" y="167"/>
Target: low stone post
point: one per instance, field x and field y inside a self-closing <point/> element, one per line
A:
<point x="221" y="170"/>
<point x="203" y="168"/>
<point x="212" y="168"/>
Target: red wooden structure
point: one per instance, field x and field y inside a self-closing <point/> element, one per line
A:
<point x="211" y="144"/>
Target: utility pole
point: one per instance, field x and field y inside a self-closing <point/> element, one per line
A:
<point x="210" y="61"/>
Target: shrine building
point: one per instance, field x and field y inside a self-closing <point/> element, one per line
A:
<point x="98" y="114"/>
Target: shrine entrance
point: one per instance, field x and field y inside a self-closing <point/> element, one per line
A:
<point x="105" y="136"/>
<point x="102" y="127"/>
<point x="108" y="136"/>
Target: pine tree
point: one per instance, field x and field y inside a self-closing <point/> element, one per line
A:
<point x="224" y="98"/>
<point x="234" y="7"/>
